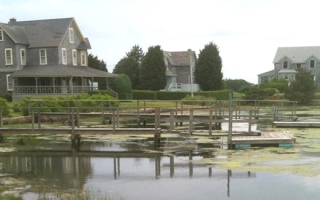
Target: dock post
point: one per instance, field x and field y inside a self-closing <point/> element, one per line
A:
<point x="102" y="114"/>
<point x="230" y="123"/>
<point x="250" y="118"/>
<point x="1" y="121"/>
<point x="113" y="122"/>
<point x="191" y="121"/>
<point x="32" y="119"/>
<point x="78" y="118"/>
<point x="157" y="134"/>
<point x="176" y="113"/>
<point x="144" y="106"/>
<point x="181" y="112"/>
<point x="39" y="116"/>
<point x="210" y="122"/>
<point x="171" y="166"/>
<point x="117" y="117"/>
<point x="138" y="113"/>
<point x="73" y="137"/>
<point x="171" y="120"/>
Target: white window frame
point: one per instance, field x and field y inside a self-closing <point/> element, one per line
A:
<point x="83" y="58"/>
<point x="8" y="61"/>
<point x="314" y="64"/>
<point x="71" y="35"/>
<point x="10" y="83"/>
<point x="283" y="62"/>
<point x="64" y="56"/>
<point x="1" y="35"/>
<point x="23" y="56"/>
<point x="43" y="56"/>
<point x="74" y="57"/>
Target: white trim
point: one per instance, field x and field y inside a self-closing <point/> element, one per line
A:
<point x="24" y="57"/>
<point x="8" y="61"/>
<point x="9" y="83"/>
<point x="64" y="56"/>
<point x="314" y="64"/>
<point x="71" y="35"/>
<point x="1" y="35"/>
<point x="74" y="57"/>
<point x="45" y="57"/>
<point x="83" y="58"/>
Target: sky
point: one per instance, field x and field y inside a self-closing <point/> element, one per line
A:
<point x="247" y="32"/>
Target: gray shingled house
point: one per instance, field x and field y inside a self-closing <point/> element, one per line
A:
<point x="179" y="65"/>
<point x="45" y="57"/>
<point x="288" y="59"/>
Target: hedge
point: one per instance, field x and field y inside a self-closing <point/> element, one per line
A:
<point x="165" y="95"/>
<point x="217" y="94"/>
<point x="144" y="95"/>
<point x="125" y="96"/>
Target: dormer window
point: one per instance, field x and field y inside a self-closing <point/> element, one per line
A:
<point x="8" y="54"/>
<point x="23" y="56"/>
<point x="71" y="35"/>
<point x="83" y="58"/>
<point x="1" y="34"/>
<point x="64" y="56"/>
<point x="43" y="56"/>
<point x="298" y="66"/>
<point x="74" y="57"/>
<point x="285" y="64"/>
<point x="311" y="64"/>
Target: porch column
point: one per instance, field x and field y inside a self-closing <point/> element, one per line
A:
<point x="82" y="84"/>
<point x="54" y="85"/>
<point x="106" y="83"/>
<point x="71" y="84"/>
<point x="92" y="79"/>
<point x="36" y="85"/>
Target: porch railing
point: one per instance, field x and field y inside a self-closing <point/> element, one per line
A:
<point x="52" y="89"/>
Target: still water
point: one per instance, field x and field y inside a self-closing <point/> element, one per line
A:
<point x="135" y="170"/>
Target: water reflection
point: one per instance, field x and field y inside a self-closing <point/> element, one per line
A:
<point x="75" y="168"/>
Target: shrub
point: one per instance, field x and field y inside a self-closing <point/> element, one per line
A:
<point x="164" y="95"/>
<point x="4" y="106"/>
<point x="198" y="100"/>
<point x="270" y="91"/>
<point x="216" y="94"/>
<point x="122" y="84"/>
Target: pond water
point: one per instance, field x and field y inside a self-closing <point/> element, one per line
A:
<point x="130" y="168"/>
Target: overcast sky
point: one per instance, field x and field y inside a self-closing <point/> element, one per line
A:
<point x="248" y="32"/>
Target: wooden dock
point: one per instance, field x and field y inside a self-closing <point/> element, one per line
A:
<point x="282" y="139"/>
<point x="296" y="124"/>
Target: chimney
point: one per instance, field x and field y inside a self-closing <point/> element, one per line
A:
<point x="13" y="19"/>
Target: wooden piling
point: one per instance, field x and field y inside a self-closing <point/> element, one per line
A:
<point x="113" y="122"/>
<point x="32" y="120"/>
<point x="73" y="137"/>
<point x="210" y="122"/>
<point x="230" y="123"/>
<point x="191" y="121"/>
<point x="1" y="120"/>
<point x="249" y="123"/>
<point x="171" y="120"/>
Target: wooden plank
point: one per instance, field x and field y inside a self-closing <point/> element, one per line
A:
<point x="297" y="124"/>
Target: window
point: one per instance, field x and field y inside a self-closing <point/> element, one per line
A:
<point x="43" y="56"/>
<point x="1" y="35"/>
<point x="74" y="57"/>
<point x="83" y="58"/>
<point x="71" y="35"/>
<point x="9" y="82"/>
<point x="23" y="56"/>
<point x="286" y="76"/>
<point x="8" y="55"/>
<point x="311" y="64"/>
<point x="298" y="66"/>
<point x="285" y="64"/>
<point x="313" y="77"/>
<point x="64" y="56"/>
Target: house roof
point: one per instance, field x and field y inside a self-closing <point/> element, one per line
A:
<point x="61" y="71"/>
<point x="178" y="58"/>
<point x="297" y="54"/>
<point x="43" y="33"/>
<point x="268" y="73"/>
<point x="287" y="71"/>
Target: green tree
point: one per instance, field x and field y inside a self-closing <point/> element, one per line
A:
<point x="235" y="84"/>
<point x="208" y="71"/>
<point x="94" y="62"/>
<point x="130" y="67"/>
<point x="136" y="52"/>
<point x="277" y="83"/>
<point x="153" y="70"/>
<point x="255" y="93"/>
<point x="122" y="84"/>
<point x="302" y="89"/>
